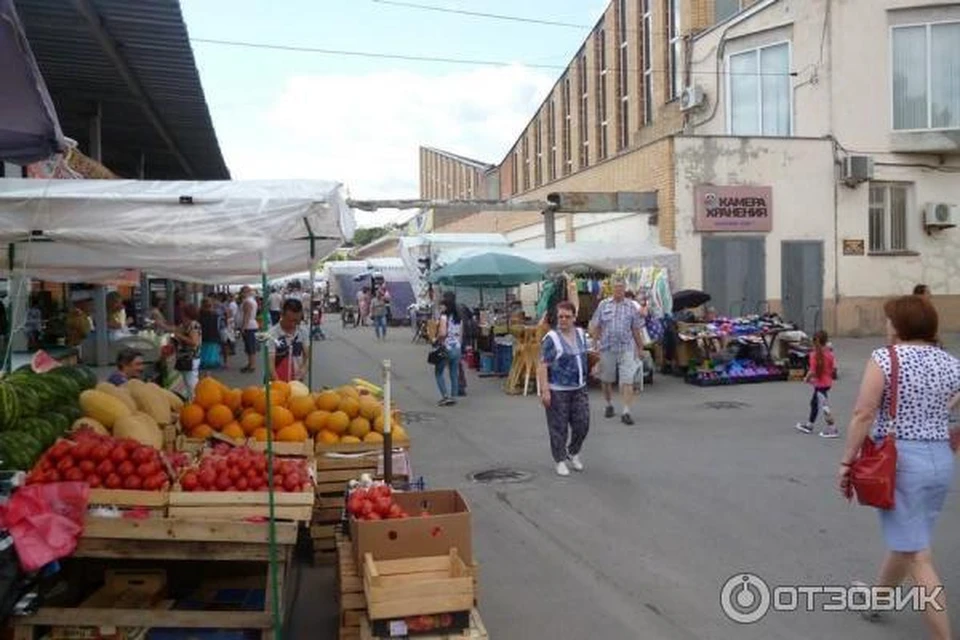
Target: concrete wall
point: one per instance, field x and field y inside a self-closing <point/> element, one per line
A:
<point x="801" y="175"/>
<point x="586" y="227"/>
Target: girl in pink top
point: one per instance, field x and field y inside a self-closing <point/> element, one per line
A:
<point x="820" y="376"/>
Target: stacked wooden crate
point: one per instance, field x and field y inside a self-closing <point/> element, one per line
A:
<point x="351" y="601"/>
<point x="337" y="465"/>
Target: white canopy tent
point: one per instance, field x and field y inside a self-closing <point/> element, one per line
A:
<point x="211" y="232"/>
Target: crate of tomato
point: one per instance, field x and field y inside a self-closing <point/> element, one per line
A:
<point x="234" y="482"/>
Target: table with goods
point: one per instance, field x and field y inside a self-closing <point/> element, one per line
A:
<point x="731" y="351"/>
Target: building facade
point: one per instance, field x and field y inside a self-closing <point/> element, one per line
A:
<point x="801" y="150"/>
<point x="447" y="176"/>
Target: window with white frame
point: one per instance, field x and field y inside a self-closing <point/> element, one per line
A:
<point x="567" y="143"/>
<point x="538" y="160"/>
<point x="926" y="76"/>
<point x="646" y="66"/>
<point x="623" y="87"/>
<point x="584" y="112"/>
<point x="889" y="204"/>
<point x="515" y="172"/>
<point x="675" y="45"/>
<point x="759" y="92"/>
<point x="551" y="140"/>
<point x="602" y="73"/>
<point x="526" y="161"/>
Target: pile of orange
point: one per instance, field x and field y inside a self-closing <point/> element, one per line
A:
<point x="345" y="415"/>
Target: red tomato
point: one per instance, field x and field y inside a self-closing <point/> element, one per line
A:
<point x="93" y="481"/>
<point x="130" y="445"/>
<point x="74" y="475"/>
<point x="100" y="452"/>
<point x="234" y="474"/>
<point x="395" y="511"/>
<point x="141" y="455"/>
<point x="105" y="468"/>
<point x="60" y="449"/>
<point x="291" y="482"/>
<point x="51" y="476"/>
<point x="119" y="454"/>
<point x="242" y="484"/>
<point x="82" y="451"/>
<point x="260" y="464"/>
<point x="87" y="466"/>
<point x="223" y="482"/>
<point x="147" y="469"/>
<point x="366" y="508"/>
<point x="112" y="481"/>
<point x="373" y="515"/>
<point x="189" y="481"/>
<point x="208" y="478"/>
<point x="64" y="464"/>
<point x="126" y="469"/>
<point x="132" y="482"/>
<point x="382" y="506"/>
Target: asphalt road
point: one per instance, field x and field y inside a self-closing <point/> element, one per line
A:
<point x="709" y="483"/>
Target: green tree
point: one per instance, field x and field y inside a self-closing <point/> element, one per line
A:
<point x="366" y="236"/>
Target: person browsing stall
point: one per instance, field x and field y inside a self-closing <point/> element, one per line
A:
<point x="129" y="366"/>
<point x="617" y="327"/>
<point x="288" y="344"/>
<point x="562" y="380"/>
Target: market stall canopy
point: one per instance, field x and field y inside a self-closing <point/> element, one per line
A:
<point x="489" y="270"/>
<point x="29" y="129"/>
<point x="79" y="231"/>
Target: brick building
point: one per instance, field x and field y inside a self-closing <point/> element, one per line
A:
<point x="448" y="176"/>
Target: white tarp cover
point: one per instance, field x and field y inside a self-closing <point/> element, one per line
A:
<point x="196" y="231"/>
<point x="431" y="245"/>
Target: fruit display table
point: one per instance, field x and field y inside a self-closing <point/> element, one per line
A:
<point x="167" y="539"/>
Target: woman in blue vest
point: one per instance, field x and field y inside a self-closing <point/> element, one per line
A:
<point x="562" y="380"/>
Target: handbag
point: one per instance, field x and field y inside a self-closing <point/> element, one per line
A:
<point x="873" y="474"/>
<point x="437" y="355"/>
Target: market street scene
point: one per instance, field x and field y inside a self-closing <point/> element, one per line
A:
<point x="620" y="319"/>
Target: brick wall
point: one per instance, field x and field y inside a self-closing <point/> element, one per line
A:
<point x="490" y="222"/>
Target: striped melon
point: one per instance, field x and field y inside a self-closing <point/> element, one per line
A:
<point x="9" y="406"/>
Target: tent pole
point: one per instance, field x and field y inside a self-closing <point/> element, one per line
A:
<point x="313" y="276"/>
<point x="387" y="425"/>
<point x="8" y="351"/>
<point x="272" y="526"/>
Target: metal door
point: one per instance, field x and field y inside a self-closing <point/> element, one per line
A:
<point x="801" y="282"/>
<point x="734" y="273"/>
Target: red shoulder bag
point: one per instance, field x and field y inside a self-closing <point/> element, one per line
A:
<point x="873" y="474"/>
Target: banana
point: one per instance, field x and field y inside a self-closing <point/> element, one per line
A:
<point x="369" y="386"/>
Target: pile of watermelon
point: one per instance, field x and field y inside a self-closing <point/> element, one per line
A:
<point x="36" y="409"/>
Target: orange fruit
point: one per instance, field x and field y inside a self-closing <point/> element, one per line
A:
<point x="260" y="435"/>
<point x="219" y="416"/>
<point x="347" y="390"/>
<point x="248" y="395"/>
<point x="316" y="421"/>
<point x="280" y="388"/>
<point x="233" y="398"/>
<point x="246" y="412"/>
<point x="251" y="422"/>
<point x="370" y="408"/>
<point x="399" y="434"/>
<point x="260" y="404"/>
<point x="350" y="406"/>
<point x="296" y="432"/>
<point x="234" y="430"/>
<point x="338" y="422"/>
<point x="373" y="437"/>
<point x="301" y="406"/>
<point x="359" y="427"/>
<point x="328" y="401"/>
<point x="201" y="432"/>
<point x="348" y="439"/>
<point x="281" y="418"/>
<point x="191" y="416"/>
<point x="208" y="393"/>
<point x="328" y="437"/>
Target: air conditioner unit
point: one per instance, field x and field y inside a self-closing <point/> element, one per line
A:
<point x="691" y="98"/>
<point x="857" y="169"/>
<point x="941" y="215"/>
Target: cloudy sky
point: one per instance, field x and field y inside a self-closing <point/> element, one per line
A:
<point x="360" y="120"/>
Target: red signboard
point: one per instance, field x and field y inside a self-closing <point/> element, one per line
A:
<point x="739" y="208"/>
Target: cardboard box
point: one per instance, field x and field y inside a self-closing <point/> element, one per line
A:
<point x="448" y="526"/>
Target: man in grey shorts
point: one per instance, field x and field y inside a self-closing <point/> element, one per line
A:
<point x="616" y="326"/>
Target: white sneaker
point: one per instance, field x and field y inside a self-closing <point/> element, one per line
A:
<point x="562" y="469"/>
<point x="576" y="463"/>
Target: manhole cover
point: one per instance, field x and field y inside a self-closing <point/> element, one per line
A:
<point x="411" y="417"/>
<point x="500" y="476"/>
<point x="725" y="404"/>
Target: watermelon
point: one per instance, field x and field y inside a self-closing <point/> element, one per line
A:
<point x="9" y="406"/>
<point x="58" y="421"/>
<point x="48" y="390"/>
<point x="71" y="412"/>
<point x="67" y="385"/>
<point x="29" y="399"/>
<point x="86" y="377"/>
<point x="75" y="374"/>
<point x="40" y="429"/>
<point x="41" y="362"/>
<point x="18" y="450"/>
<point x="24" y="370"/>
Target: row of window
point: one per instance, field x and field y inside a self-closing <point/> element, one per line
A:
<point x="575" y="86"/>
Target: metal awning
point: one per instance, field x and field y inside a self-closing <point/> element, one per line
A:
<point x="29" y="130"/>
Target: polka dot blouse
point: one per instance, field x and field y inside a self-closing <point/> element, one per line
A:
<point x="929" y="378"/>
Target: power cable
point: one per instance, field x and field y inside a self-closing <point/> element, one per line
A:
<point x="482" y="14"/>
<point x="463" y="61"/>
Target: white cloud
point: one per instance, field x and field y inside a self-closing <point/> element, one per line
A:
<point x="365" y="130"/>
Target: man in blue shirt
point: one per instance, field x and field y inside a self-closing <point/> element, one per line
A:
<point x="562" y="381"/>
<point x="616" y="326"/>
<point x="129" y="365"/>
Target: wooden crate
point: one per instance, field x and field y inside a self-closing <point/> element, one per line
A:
<point x="476" y="631"/>
<point x="352" y="602"/>
<point x="240" y="505"/>
<point x="156" y="502"/>
<point x="288" y="449"/>
<point x="417" y="586"/>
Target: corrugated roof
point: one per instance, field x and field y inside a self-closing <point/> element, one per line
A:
<point x="151" y="41"/>
<point x="484" y="166"/>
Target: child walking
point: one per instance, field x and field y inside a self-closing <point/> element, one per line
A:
<point x="820" y="376"/>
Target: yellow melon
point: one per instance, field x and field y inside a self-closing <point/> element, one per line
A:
<point x="359" y="427"/>
<point x="328" y="401"/>
<point x="373" y="437"/>
<point x="338" y="422"/>
<point x="350" y="440"/>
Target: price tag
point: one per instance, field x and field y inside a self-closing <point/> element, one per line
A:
<point x="398" y="628"/>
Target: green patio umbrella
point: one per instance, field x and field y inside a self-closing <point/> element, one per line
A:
<point x="489" y="270"/>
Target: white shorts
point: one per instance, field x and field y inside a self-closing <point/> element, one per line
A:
<point x="622" y="363"/>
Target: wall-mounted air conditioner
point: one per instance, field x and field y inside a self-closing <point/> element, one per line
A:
<point x="691" y="98"/>
<point x="941" y="215"/>
<point x="856" y="169"/>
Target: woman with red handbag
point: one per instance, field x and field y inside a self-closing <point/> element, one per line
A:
<point x="898" y="455"/>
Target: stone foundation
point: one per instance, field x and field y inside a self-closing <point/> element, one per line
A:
<point x="861" y="316"/>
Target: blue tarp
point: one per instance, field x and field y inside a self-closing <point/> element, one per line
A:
<point x="29" y="129"/>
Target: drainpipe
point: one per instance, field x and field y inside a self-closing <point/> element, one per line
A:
<point x="836" y="243"/>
